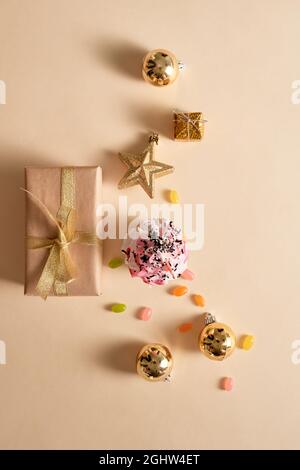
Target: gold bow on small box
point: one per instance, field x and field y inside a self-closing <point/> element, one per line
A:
<point x="59" y="269"/>
<point x="188" y="126"/>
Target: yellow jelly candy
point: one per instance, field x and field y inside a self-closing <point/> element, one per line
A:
<point x="199" y="300"/>
<point x="115" y="263"/>
<point x="173" y="197"/>
<point x="118" y="308"/>
<point x="179" y="290"/>
<point x="247" y="342"/>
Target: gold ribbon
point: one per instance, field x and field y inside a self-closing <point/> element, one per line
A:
<point x="59" y="269"/>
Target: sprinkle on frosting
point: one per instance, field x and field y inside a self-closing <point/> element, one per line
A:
<point x="158" y="254"/>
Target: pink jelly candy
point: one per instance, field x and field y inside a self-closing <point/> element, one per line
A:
<point x="145" y="313"/>
<point x="227" y="384"/>
<point x="188" y="275"/>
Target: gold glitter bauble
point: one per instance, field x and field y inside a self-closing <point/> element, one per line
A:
<point x="154" y="362"/>
<point x="217" y="341"/>
<point x="160" y="67"/>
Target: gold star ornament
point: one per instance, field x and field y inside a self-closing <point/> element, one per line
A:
<point x="143" y="168"/>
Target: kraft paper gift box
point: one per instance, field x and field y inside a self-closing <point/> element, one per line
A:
<point x="188" y="126"/>
<point x="63" y="253"/>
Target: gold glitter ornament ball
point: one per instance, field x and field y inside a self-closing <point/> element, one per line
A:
<point x="160" y="67"/>
<point x="154" y="362"/>
<point x="217" y="341"/>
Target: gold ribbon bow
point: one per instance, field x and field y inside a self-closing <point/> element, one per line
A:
<point x="59" y="269"/>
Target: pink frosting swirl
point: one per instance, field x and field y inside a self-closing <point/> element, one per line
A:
<point x="158" y="255"/>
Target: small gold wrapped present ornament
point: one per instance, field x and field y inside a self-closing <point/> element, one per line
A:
<point x="188" y="126"/>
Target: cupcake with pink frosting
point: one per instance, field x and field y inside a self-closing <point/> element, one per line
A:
<point x="157" y="254"/>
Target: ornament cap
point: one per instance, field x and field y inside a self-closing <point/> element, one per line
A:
<point x="153" y="137"/>
<point x="209" y="318"/>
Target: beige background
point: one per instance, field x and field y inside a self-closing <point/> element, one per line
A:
<point x="75" y="96"/>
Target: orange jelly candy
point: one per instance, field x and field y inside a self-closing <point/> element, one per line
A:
<point x="179" y="291"/>
<point x="185" y="327"/>
<point x="199" y="300"/>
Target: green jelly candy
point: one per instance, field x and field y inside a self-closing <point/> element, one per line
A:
<point x="115" y="263"/>
<point x="118" y="308"/>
